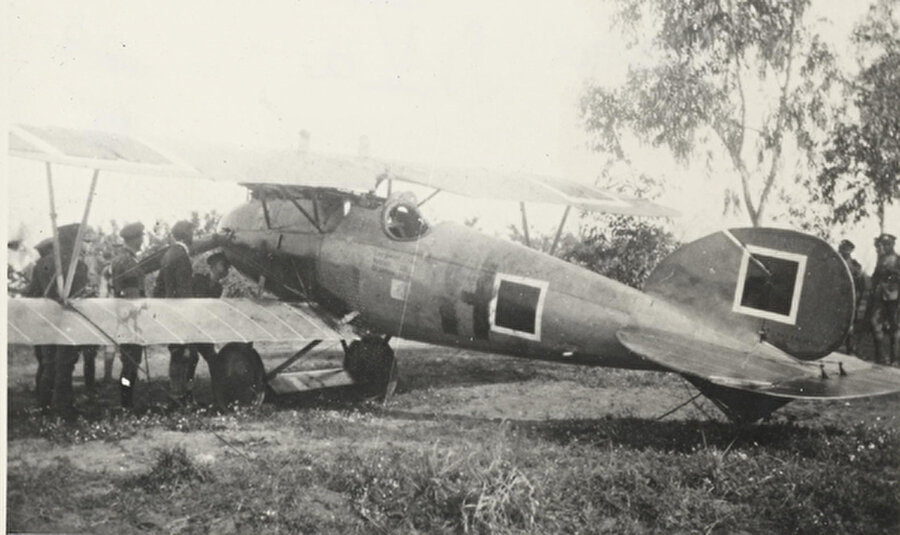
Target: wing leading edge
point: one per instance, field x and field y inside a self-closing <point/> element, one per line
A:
<point x="167" y="321"/>
<point x="762" y="368"/>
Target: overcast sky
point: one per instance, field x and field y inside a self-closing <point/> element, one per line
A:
<point x="491" y="84"/>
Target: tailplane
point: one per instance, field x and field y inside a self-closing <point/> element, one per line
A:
<point x="774" y="305"/>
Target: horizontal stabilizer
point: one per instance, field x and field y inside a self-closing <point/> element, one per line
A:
<point x="166" y="321"/>
<point x="763" y="368"/>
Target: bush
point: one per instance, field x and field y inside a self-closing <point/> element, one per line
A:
<point x="623" y="248"/>
<point x="173" y="469"/>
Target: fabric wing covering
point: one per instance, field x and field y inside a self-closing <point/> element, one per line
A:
<point x="94" y="150"/>
<point x="166" y="321"/>
<point x="249" y="166"/>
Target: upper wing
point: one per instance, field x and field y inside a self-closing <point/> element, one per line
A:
<point x="527" y="187"/>
<point x="95" y="150"/>
<point x="762" y="368"/>
<point x="104" y="151"/>
<point x="167" y="321"/>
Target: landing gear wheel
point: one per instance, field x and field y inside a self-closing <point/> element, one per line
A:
<point x="238" y="376"/>
<point x="371" y="362"/>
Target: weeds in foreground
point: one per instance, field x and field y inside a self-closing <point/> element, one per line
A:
<point x="470" y="489"/>
<point x="498" y="479"/>
<point x="172" y="470"/>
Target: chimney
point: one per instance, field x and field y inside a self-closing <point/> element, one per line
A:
<point x="303" y="146"/>
<point x="363" y="146"/>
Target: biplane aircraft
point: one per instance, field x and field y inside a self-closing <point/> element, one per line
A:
<point x="751" y="316"/>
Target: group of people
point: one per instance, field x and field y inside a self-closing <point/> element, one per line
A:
<point x="176" y="279"/>
<point x="877" y="300"/>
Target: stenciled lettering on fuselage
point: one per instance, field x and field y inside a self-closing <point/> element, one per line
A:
<point x="517" y="305"/>
<point x="391" y="263"/>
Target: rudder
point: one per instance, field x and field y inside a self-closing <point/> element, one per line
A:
<point x="793" y="289"/>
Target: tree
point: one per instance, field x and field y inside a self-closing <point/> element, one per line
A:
<point x="862" y="161"/>
<point x="622" y="248"/>
<point x="737" y="79"/>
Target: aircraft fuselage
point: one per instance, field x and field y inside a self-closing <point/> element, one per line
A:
<point x="451" y="286"/>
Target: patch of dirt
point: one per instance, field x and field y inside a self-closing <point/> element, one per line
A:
<point x="557" y="400"/>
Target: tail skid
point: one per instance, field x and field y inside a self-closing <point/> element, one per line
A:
<point x="740" y="406"/>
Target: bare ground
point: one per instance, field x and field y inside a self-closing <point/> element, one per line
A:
<point x="327" y="462"/>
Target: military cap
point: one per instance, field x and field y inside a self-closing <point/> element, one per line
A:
<point x="886" y="239"/>
<point x="44" y="247"/>
<point x="132" y="230"/>
<point x="217" y="257"/>
<point x="847" y="245"/>
<point x="67" y="234"/>
<point x="183" y="230"/>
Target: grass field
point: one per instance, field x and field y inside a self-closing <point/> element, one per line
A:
<point x="470" y="444"/>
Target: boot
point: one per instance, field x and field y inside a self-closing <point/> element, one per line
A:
<point x="89" y="357"/>
<point x="881" y="353"/>
<point x="126" y="397"/>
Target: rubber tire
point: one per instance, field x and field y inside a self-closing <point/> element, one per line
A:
<point x="238" y="376"/>
<point x="371" y="362"/>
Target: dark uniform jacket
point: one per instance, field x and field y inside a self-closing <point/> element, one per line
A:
<point x="127" y="275"/>
<point x="174" y="279"/>
<point x="43" y="279"/>
<point x="204" y="286"/>
<point x="886" y="278"/>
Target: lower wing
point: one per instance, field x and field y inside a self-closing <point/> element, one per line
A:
<point x="167" y="321"/>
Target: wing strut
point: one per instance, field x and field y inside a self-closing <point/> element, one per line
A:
<point x="430" y="196"/>
<point x="302" y="210"/>
<point x="265" y="207"/>
<point x="79" y="238"/>
<point x="56" y="249"/>
<point x="560" y="229"/>
<point x="525" y="224"/>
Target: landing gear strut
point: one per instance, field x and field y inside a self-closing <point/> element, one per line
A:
<point x="371" y="362"/>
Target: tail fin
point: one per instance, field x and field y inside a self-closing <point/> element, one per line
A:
<point x="791" y="289"/>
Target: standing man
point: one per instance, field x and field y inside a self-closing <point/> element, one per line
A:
<point x="885" y="301"/>
<point x="91" y="289"/>
<point x="174" y="281"/>
<point x="845" y="249"/>
<point x="54" y="384"/>
<point x="207" y="286"/>
<point x="44" y="248"/>
<point x="128" y="283"/>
